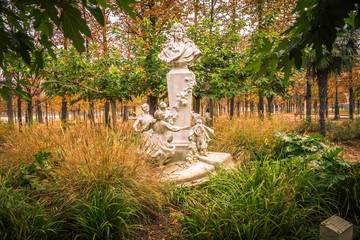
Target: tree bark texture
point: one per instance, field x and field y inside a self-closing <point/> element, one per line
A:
<point x="153" y="102"/>
<point x="308" y="100"/>
<point x="270" y="108"/>
<point x="261" y="105"/>
<point x="29" y="111"/>
<point x="91" y="113"/>
<point x="232" y="101"/>
<point x="126" y="113"/>
<point x="39" y="111"/>
<point x="64" y="110"/>
<point x="196" y="102"/>
<point x="19" y="111"/>
<point x="113" y="114"/>
<point x="107" y="117"/>
<point x="322" y="79"/>
<point x="9" y="109"/>
<point x="351" y="103"/>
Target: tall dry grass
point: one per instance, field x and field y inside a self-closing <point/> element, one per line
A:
<point x="248" y="138"/>
<point x="83" y="160"/>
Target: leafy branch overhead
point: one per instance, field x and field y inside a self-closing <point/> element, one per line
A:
<point x="18" y="16"/>
<point x="316" y="27"/>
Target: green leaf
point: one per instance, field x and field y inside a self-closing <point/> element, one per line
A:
<point x="73" y="25"/>
<point x="97" y="13"/>
<point x="124" y="5"/>
<point x="50" y="10"/>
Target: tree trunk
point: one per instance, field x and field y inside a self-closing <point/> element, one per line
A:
<point x="308" y="99"/>
<point x="270" y="108"/>
<point x="107" y="117"/>
<point x="39" y="111"/>
<point x="322" y="78"/>
<point x="46" y="114"/>
<point x="29" y="111"/>
<point x="252" y="107"/>
<point x="337" y="108"/>
<point x="9" y="109"/>
<point x="91" y="113"/>
<point x="246" y="106"/>
<point x="19" y="111"/>
<point x="9" y="102"/>
<point x="351" y="103"/>
<point x="315" y="107"/>
<point x="358" y="106"/>
<point x="153" y="102"/>
<point x="238" y="109"/>
<point x="232" y="100"/>
<point x="64" y="110"/>
<point x="113" y="114"/>
<point x="261" y="106"/>
<point x="196" y="101"/>
<point x="126" y="113"/>
<point x="327" y="106"/>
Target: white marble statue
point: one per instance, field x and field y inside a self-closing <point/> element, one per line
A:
<point x="144" y="119"/>
<point x="199" y="136"/>
<point x="195" y="116"/>
<point x="146" y="134"/>
<point x="179" y="50"/>
<point x="161" y="149"/>
<point x="168" y="115"/>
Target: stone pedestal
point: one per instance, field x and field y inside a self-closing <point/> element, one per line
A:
<point x="180" y="96"/>
<point x="336" y="228"/>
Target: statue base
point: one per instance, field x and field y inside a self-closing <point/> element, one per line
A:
<point x="177" y="169"/>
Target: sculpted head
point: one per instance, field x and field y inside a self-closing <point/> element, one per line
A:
<point x="145" y="107"/>
<point x="177" y="31"/>
<point x="159" y="115"/>
<point x="162" y="106"/>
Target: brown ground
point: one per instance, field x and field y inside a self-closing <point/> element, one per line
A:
<point x="352" y="149"/>
<point x="164" y="227"/>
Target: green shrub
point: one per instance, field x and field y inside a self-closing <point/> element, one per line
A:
<point x="291" y="144"/>
<point x="346" y="130"/>
<point x="36" y="175"/>
<point x="22" y="220"/>
<point x="261" y="200"/>
<point x="106" y="214"/>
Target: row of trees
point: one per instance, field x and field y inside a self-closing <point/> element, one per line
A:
<point x="243" y="51"/>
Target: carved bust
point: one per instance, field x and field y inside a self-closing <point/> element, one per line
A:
<point x="179" y="50"/>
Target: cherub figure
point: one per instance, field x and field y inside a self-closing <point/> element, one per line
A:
<point x="199" y="134"/>
<point x="144" y="119"/>
<point x="168" y="117"/>
<point x="161" y="149"/>
<point x="195" y="116"/>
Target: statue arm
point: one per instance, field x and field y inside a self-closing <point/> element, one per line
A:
<point x="137" y="121"/>
<point x="175" y="128"/>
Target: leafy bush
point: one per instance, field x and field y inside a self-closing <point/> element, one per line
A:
<point x="346" y="130"/>
<point x="22" y="220"/>
<point x="106" y="214"/>
<point x="37" y="174"/>
<point x="261" y="200"/>
<point x="291" y="144"/>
